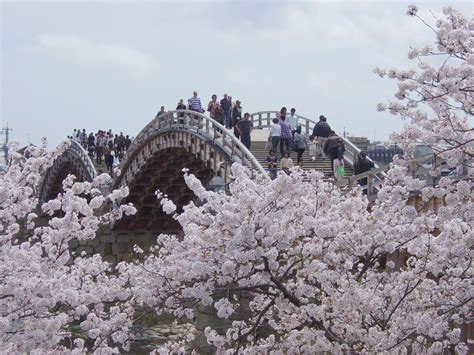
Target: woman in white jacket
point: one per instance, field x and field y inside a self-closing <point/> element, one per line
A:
<point x="275" y="132"/>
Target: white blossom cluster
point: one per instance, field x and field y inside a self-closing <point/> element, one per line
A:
<point x="437" y="98"/>
<point x="293" y="265"/>
<point x="317" y="268"/>
<point x="50" y="301"/>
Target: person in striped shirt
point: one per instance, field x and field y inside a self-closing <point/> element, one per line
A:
<point x="285" y="136"/>
<point x="194" y="103"/>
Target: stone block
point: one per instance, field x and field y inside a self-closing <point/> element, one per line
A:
<point x="108" y="238"/>
<point x="100" y="249"/>
<point x="84" y="242"/>
<point x="123" y="238"/>
<point x="121" y="248"/>
<point x="94" y="242"/>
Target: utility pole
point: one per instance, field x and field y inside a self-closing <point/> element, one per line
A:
<point x="6" y="131"/>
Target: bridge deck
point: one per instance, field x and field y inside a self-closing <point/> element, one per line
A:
<point x="323" y="165"/>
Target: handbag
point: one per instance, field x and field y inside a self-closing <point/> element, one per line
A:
<point x="341" y="171"/>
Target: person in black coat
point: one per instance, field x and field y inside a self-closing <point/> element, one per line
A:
<point x="321" y="132"/>
<point x="236" y="117"/>
<point x="322" y="128"/>
<point x="361" y="166"/>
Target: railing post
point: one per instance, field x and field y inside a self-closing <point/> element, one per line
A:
<point x="369" y="185"/>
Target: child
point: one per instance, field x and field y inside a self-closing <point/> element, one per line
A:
<point x="286" y="163"/>
<point x="272" y="164"/>
<point x="313" y="148"/>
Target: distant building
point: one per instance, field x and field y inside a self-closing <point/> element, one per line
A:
<point x="383" y="154"/>
<point x="360" y="142"/>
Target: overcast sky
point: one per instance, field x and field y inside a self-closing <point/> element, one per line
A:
<point x="111" y="64"/>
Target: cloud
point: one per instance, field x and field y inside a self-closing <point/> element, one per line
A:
<point x="84" y="52"/>
<point x="329" y="24"/>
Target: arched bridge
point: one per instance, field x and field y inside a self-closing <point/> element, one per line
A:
<point x="166" y="145"/>
<point x="74" y="161"/>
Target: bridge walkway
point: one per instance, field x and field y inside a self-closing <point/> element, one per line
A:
<point x="260" y="150"/>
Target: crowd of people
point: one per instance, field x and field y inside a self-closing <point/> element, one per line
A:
<point x="103" y="146"/>
<point x="225" y="111"/>
<point x="285" y="137"/>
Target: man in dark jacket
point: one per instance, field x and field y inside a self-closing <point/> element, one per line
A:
<point x="245" y="127"/>
<point x="322" y="128"/>
<point x="226" y="106"/>
<point x="236" y="117"/>
<point x="321" y="132"/>
<point x="328" y="147"/>
<point x="361" y="166"/>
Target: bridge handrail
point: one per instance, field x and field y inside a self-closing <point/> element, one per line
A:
<point x="204" y="124"/>
<point x="79" y="150"/>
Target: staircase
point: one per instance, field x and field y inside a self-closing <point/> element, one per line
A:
<point x="320" y="164"/>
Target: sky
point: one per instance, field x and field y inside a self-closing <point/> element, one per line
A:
<point x="112" y="64"/>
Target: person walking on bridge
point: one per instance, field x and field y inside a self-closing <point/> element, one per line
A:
<point x="286" y="163"/>
<point x="337" y="156"/>
<point x="275" y="133"/>
<point x="161" y="112"/>
<point x="236" y="117"/>
<point x="332" y="141"/>
<point x="285" y="137"/>
<point x="181" y="106"/>
<point x="212" y="106"/>
<point x="226" y="106"/>
<point x="282" y="115"/>
<point x="194" y="103"/>
<point x="293" y="121"/>
<point x="300" y="145"/>
<point x="245" y="127"/>
<point x="321" y="132"/>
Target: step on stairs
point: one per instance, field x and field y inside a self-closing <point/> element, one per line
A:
<point x="323" y="165"/>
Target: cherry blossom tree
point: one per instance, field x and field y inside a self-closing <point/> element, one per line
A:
<point x="311" y="269"/>
<point x="291" y="265"/>
<point x="300" y="266"/>
<point x="49" y="300"/>
<point x="437" y="98"/>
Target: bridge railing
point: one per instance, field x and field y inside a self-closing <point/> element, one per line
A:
<point x="77" y="149"/>
<point x="80" y="156"/>
<point x="203" y="126"/>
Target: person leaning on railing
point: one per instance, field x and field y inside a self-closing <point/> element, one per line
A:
<point x="181" y="106"/>
<point x="361" y="166"/>
<point x="236" y="117"/>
